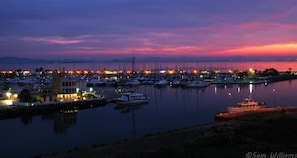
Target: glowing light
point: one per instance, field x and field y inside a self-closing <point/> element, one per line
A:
<point x="162" y="71"/>
<point x="110" y="72"/>
<point x="8" y="94"/>
<point x="215" y="71"/>
<point x="15" y="96"/>
<point x="7" y="72"/>
<point x="196" y="71"/>
<point x="26" y="72"/>
<point x="147" y="72"/>
<point x="204" y="72"/>
<point x="8" y="102"/>
<point x="251" y="71"/>
<point x="100" y="72"/>
<point x="171" y="72"/>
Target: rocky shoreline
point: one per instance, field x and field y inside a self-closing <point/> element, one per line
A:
<point x="261" y="133"/>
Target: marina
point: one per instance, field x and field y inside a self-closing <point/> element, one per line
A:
<point x="100" y="112"/>
<point x="148" y="79"/>
<point x="168" y="108"/>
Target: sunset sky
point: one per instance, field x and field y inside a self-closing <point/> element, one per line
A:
<point x="79" y="29"/>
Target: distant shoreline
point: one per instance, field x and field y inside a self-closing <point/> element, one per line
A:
<point x="20" y="60"/>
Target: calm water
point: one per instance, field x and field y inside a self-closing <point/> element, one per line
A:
<point x="169" y="108"/>
<point x="223" y="66"/>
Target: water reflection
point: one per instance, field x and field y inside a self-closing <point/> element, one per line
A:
<point x="130" y="109"/>
<point x="61" y="121"/>
<point x="26" y="120"/>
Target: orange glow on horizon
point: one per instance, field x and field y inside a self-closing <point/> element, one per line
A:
<point x="278" y="49"/>
<point x="271" y="50"/>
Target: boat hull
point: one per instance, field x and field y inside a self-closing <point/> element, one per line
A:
<point x="133" y="102"/>
<point x="244" y="109"/>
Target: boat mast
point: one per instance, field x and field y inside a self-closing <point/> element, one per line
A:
<point x="133" y="63"/>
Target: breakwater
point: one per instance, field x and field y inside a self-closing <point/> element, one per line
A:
<point x="49" y="108"/>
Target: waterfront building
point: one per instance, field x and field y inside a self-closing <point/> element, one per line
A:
<point x="64" y="87"/>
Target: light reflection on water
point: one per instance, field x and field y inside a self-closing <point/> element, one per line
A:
<point x="169" y="108"/>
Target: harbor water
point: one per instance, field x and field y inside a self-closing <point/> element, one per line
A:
<point x="155" y="66"/>
<point x="169" y="108"/>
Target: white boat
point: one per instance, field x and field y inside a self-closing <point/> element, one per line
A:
<point x="131" y="99"/>
<point x="175" y="83"/>
<point x="161" y="83"/>
<point x="246" y="104"/>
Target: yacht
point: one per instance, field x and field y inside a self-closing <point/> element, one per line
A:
<point x="175" y="83"/>
<point x="131" y="99"/>
<point x="246" y="104"/>
<point x="161" y="83"/>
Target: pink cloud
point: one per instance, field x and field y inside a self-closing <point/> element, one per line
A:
<point x="52" y="40"/>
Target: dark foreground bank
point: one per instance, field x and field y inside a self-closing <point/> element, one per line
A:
<point x="256" y="134"/>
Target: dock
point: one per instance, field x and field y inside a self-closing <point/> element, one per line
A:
<point x="237" y="115"/>
<point x="15" y="112"/>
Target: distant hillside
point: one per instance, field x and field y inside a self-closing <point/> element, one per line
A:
<point x="17" y="60"/>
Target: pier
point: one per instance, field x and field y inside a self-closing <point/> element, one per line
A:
<point x="20" y="111"/>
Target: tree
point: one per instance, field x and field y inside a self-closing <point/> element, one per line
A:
<point x="25" y="96"/>
<point x="270" y="72"/>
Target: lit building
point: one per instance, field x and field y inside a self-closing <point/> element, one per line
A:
<point x="64" y="87"/>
